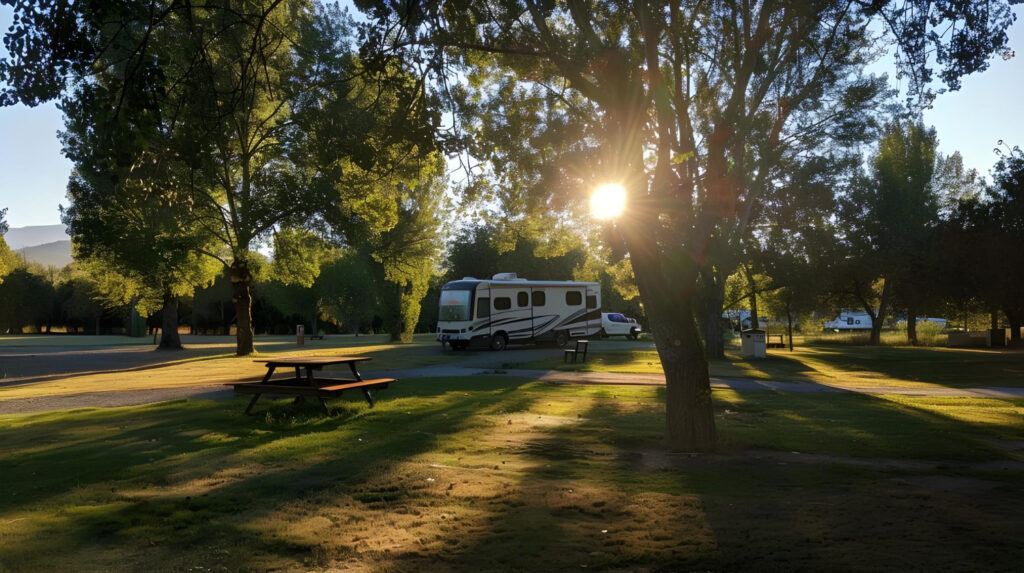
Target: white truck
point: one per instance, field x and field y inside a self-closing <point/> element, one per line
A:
<point x="616" y="324"/>
<point x="508" y="309"/>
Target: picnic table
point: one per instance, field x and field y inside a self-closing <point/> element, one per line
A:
<point x="310" y="384"/>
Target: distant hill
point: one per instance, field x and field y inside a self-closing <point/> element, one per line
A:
<point x="18" y="238"/>
<point x="57" y="253"/>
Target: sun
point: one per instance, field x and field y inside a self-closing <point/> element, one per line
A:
<point x="608" y="201"/>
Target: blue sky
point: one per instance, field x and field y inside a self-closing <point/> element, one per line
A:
<point x="989" y="107"/>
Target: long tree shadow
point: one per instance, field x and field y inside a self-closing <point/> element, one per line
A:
<point x="951" y="367"/>
<point x="173" y="470"/>
<point x="601" y="494"/>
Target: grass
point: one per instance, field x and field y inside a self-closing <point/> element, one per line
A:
<point x="834" y="365"/>
<point x="46" y="371"/>
<point x="495" y="473"/>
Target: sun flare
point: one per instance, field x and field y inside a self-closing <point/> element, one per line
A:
<point x="608" y="201"/>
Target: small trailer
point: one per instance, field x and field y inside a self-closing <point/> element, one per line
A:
<point x="850" y="320"/>
<point x="507" y="309"/>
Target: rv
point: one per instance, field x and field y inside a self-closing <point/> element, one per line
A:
<point x="508" y="309"/>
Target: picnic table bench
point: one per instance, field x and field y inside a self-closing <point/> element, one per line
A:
<point x="309" y="384"/>
<point x="775" y="341"/>
<point x="580" y="351"/>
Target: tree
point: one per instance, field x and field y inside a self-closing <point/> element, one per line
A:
<point x="348" y="289"/>
<point x="8" y="260"/>
<point x="80" y="303"/>
<point x="409" y="251"/>
<point x="131" y="193"/>
<point x="223" y="79"/>
<point x="1007" y="218"/>
<point x="693" y="104"/>
<point x="26" y="299"/>
<point x="889" y="219"/>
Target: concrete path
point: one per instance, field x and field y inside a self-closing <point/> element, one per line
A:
<point x="491" y="363"/>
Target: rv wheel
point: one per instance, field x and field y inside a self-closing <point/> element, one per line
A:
<point x="499" y="341"/>
<point x="562" y="338"/>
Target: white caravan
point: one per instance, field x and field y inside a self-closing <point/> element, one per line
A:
<point x="850" y="320"/>
<point x="493" y="313"/>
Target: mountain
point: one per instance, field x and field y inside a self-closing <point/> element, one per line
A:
<point x="20" y="237"/>
<point x="57" y="253"/>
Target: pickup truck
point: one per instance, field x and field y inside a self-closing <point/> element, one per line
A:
<point x="616" y="324"/>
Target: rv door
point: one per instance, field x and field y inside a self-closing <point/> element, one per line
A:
<point x="542" y="319"/>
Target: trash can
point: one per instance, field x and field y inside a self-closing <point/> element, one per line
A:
<point x="997" y="337"/>
<point x="753" y="343"/>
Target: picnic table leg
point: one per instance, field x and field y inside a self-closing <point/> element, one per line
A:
<point x="355" y="372"/>
<point x="270" y="372"/>
<point x="266" y="378"/>
<point x="369" y="398"/>
<point x="312" y="382"/>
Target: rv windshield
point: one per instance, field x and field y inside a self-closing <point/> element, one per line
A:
<point x="454" y="305"/>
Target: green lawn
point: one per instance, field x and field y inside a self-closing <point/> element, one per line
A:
<point x="834" y="364"/>
<point x="480" y="473"/>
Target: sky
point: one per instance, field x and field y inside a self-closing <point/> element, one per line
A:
<point x="988" y="108"/>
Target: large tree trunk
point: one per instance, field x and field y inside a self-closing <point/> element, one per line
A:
<point x="754" y="322"/>
<point x="1013" y="316"/>
<point x="670" y="298"/>
<point x="877" y="318"/>
<point x="396" y="325"/>
<point x="711" y="326"/>
<point x="912" y="325"/>
<point x="789" y="323"/>
<point x="169" y="338"/>
<point x="671" y="305"/>
<point x="241" y="297"/>
<point x="194" y="327"/>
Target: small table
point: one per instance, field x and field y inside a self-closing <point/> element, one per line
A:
<point x="311" y="385"/>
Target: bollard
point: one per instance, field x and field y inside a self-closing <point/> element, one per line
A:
<point x="300" y="335"/>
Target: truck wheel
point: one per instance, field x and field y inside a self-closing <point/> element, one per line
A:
<point x="633" y="333"/>
<point x="499" y="341"/>
<point x="561" y="339"/>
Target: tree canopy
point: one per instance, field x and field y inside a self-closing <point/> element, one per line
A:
<point x="694" y="107"/>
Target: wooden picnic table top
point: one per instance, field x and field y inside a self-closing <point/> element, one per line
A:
<point x="313" y="360"/>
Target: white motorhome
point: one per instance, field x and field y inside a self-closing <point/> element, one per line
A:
<point x="492" y="313"/>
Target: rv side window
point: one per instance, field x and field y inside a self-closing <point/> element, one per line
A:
<point x="483" y="307"/>
<point x="591" y="301"/>
<point x="522" y="299"/>
<point x="858" y="322"/>
<point x="573" y="298"/>
<point x="538" y="298"/>
<point x="502" y="303"/>
<point x="849" y="320"/>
